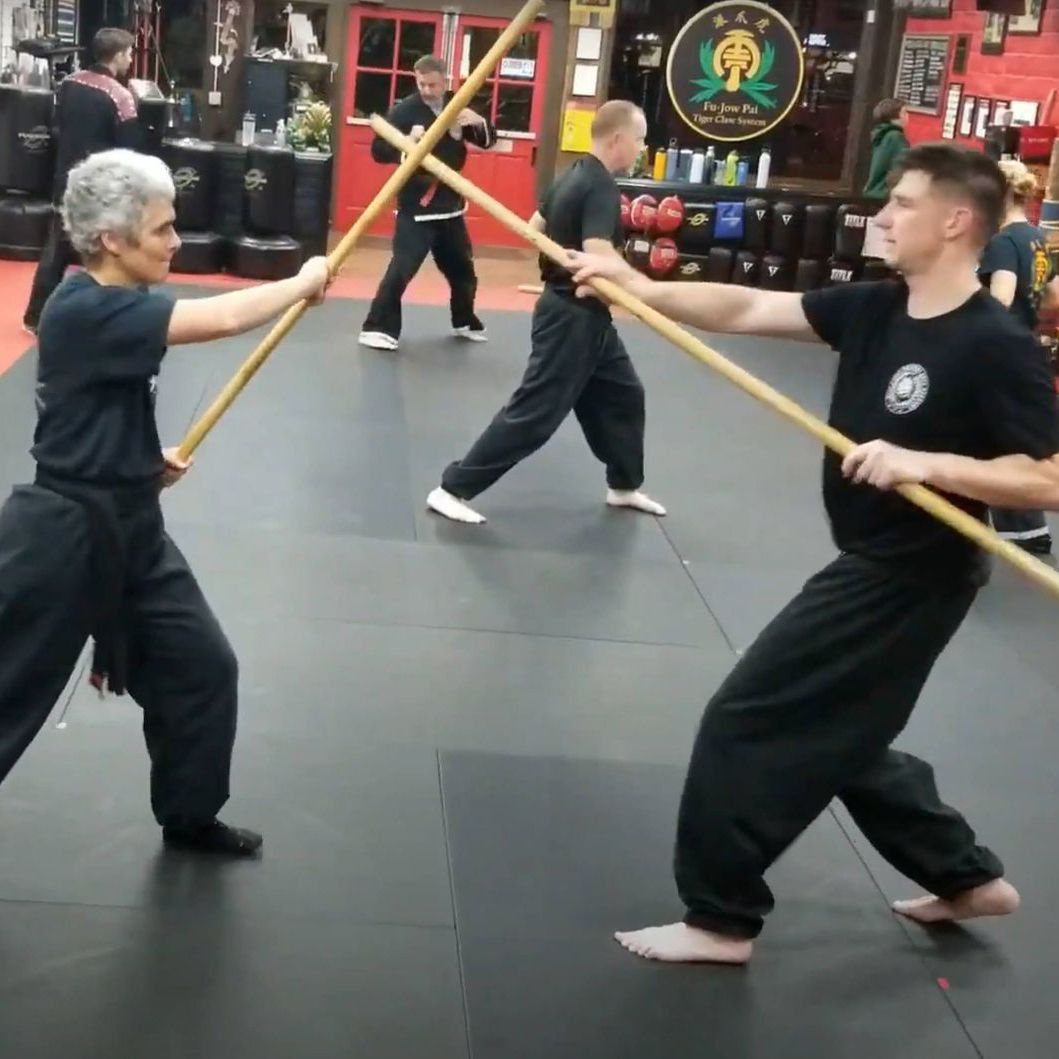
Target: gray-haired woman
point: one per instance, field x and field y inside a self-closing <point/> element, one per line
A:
<point x="83" y="550"/>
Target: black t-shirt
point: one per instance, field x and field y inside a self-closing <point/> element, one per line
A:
<point x="1020" y="248"/>
<point x="100" y="349"/>
<point x="971" y="382"/>
<point x="584" y="203"/>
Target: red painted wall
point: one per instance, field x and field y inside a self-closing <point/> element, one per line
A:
<point x="1028" y="69"/>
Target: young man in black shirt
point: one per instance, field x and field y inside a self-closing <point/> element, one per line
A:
<point x="94" y="112"/>
<point x="940" y="386"/>
<point x="429" y="213"/>
<point x="578" y="362"/>
<point x="83" y="550"/>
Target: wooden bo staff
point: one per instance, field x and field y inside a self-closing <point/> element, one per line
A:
<point x="923" y="497"/>
<point x="416" y="155"/>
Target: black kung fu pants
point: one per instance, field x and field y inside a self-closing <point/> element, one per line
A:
<point x="809" y="714"/>
<point x="181" y="670"/>
<point x="450" y="243"/>
<point x="56" y="257"/>
<point x="579" y="364"/>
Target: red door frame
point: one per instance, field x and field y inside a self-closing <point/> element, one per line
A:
<point x="506" y="171"/>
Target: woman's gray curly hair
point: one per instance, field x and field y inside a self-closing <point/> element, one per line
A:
<point x="109" y="192"/>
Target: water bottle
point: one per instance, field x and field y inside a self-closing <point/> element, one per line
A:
<point x="730" y="165"/>
<point x="742" y="172"/>
<point x="672" y="160"/>
<point x="709" y="167"/>
<point x="698" y="167"/>
<point x="660" y="164"/>
<point x="281" y="133"/>
<point x="249" y="128"/>
<point x="764" y="163"/>
<point x="718" y="171"/>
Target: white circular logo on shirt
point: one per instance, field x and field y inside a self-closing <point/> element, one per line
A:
<point x="907" y="390"/>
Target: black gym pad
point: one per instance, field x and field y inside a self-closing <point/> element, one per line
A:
<point x="550" y="856"/>
<point x="24" y="225"/>
<point x="200" y="252"/>
<point x="268" y="202"/>
<point x="265" y="257"/>
<point x="193" y="164"/>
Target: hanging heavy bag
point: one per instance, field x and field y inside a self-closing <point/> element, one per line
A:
<point x="819" y="238"/>
<point x="788" y="224"/>
<point x="193" y="164"/>
<point x="268" y="201"/>
<point x="758" y="219"/>
<point x="696" y="233"/>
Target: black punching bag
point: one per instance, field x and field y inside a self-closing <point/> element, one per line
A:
<point x="193" y="164"/>
<point x="819" y="238"/>
<point x="719" y="265"/>
<point x="757" y="218"/>
<point x="776" y="273"/>
<point x="745" y="268"/>
<point x="788" y="220"/>
<point x="809" y="275"/>
<point x="696" y="233"/>
<point x="269" y="191"/>
<point x="850" y="225"/>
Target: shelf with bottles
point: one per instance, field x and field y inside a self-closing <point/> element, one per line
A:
<point x="709" y="166"/>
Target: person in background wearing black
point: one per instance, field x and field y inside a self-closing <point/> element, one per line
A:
<point x="578" y="362"/>
<point x="84" y="550"/>
<point x="94" y="111"/>
<point x="1018" y="272"/>
<point x="429" y="213"/>
<point x="941" y="386"/>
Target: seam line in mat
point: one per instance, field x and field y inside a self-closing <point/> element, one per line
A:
<point x="377" y="624"/>
<point x="455" y="921"/>
<point x="685" y="566"/>
<point x="905" y="930"/>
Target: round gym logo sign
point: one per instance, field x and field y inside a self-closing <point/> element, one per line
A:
<point x="735" y="70"/>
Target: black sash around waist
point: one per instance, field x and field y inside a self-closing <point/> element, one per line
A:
<point x="104" y="505"/>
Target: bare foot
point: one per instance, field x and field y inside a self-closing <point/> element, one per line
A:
<point x="452" y="507"/>
<point x="634" y="499"/>
<point x="996" y="898"/>
<point x="679" y="943"/>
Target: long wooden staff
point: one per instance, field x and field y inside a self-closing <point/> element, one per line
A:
<point x="416" y="155"/>
<point x="929" y="501"/>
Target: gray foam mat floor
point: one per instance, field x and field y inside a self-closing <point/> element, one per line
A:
<point x="464" y="746"/>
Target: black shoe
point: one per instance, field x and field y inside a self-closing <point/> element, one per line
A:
<point x="213" y="837"/>
<point x="1041" y="545"/>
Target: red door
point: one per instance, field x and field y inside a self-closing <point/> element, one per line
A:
<point x="383" y="46"/>
<point x="513" y="99"/>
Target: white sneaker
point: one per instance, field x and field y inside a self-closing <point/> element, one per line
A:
<point x="470" y="334"/>
<point x="377" y="340"/>
<point x="452" y="507"/>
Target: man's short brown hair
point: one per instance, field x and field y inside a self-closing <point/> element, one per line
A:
<point x="964" y="170"/>
<point x="111" y="41"/>
<point x="888" y="109"/>
<point x="614" y="115"/>
<point x="429" y="64"/>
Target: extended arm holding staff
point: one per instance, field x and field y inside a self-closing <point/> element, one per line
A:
<point x="717" y="307"/>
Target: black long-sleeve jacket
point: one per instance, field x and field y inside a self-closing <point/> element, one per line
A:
<point x="424" y="197"/>
<point x="93" y="112"/>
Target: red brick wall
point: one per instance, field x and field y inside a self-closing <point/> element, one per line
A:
<point x="1028" y="69"/>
